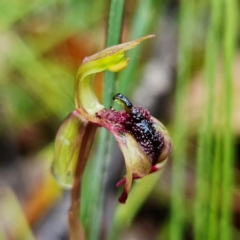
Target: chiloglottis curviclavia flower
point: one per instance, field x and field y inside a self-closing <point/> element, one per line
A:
<point x="144" y="140"/>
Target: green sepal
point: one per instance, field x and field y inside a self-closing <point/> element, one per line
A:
<point x="67" y="148"/>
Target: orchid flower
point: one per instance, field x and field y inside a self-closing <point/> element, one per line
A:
<point x="144" y="140"/>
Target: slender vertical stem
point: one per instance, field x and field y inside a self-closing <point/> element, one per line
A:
<point x="179" y="125"/>
<point x="213" y="233"/>
<point x="230" y="29"/>
<point x="205" y="141"/>
<point x="76" y="228"/>
<point x="113" y="38"/>
<point x="92" y="215"/>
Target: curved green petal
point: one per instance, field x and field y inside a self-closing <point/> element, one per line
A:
<point x="111" y="59"/>
<point x="138" y="164"/>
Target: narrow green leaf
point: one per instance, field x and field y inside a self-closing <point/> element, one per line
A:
<point x="231" y="21"/>
<point x="94" y="205"/>
<point x="202" y="226"/>
<point x="67" y="148"/>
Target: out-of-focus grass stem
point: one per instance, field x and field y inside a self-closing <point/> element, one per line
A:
<point x="229" y="45"/>
<point x="215" y="185"/>
<point x="186" y="24"/>
<point x="205" y="141"/>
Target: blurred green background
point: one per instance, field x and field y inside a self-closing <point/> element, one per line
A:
<point x="188" y="76"/>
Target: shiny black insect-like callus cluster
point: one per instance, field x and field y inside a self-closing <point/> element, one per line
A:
<point x="138" y="122"/>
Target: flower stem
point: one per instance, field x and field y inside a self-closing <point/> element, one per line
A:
<point x="76" y="228"/>
<point x="113" y="38"/>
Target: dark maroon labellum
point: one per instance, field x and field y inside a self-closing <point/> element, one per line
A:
<point x="137" y="121"/>
<point x="140" y="125"/>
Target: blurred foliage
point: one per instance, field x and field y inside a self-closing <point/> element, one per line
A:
<point x="11" y="210"/>
<point x="42" y="43"/>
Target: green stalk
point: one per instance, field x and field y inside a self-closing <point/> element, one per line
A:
<point x="213" y="227"/>
<point x="94" y="180"/>
<point x="186" y="19"/>
<point x="229" y="45"/>
<point x="204" y="156"/>
<point x="113" y="38"/>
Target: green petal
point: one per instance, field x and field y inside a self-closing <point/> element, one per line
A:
<point x="111" y="59"/>
<point x="135" y="158"/>
<point x="67" y="146"/>
<point x="117" y="49"/>
<point x="138" y="164"/>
